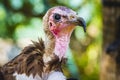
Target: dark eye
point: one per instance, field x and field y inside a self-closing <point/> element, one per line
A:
<point x="57" y="16"/>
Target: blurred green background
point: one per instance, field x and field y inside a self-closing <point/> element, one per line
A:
<point x="21" y="22"/>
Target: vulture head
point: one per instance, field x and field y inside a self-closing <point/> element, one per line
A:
<point x="59" y="22"/>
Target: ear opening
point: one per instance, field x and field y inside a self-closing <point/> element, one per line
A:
<point x="50" y="24"/>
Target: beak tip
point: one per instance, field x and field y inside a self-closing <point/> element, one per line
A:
<point x="84" y="26"/>
<point x="82" y="23"/>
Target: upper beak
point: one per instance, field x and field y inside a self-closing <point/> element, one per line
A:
<point x="80" y="22"/>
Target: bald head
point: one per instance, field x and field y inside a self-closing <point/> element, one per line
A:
<point x="62" y="19"/>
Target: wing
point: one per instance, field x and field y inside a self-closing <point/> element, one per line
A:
<point x="29" y="62"/>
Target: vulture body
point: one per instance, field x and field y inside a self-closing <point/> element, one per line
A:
<point x="42" y="60"/>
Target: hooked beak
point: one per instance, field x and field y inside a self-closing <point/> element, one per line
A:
<point x="81" y="22"/>
<point x="78" y="21"/>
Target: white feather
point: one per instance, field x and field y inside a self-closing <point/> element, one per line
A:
<point x="54" y="75"/>
<point x="25" y="77"/>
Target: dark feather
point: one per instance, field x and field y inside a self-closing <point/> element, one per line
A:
<point x="29" y="62"/>
<point x="1" y="75"/>
<point x="72" y="79"/>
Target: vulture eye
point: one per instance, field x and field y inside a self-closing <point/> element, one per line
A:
<point x="57" y="17"/>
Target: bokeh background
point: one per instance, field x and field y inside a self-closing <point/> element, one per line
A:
<point x="21" y="22"/>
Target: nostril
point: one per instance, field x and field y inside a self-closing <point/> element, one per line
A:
<point x="72" y="17"/>
<point x="50" y="24"/>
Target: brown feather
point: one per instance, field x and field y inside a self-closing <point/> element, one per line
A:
<point x="29" y="61"/>
<point x="1" y="75"/>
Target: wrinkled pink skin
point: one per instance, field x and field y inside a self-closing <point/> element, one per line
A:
<point x="62" y="31"/>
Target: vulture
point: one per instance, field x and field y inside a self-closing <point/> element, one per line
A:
<point x="43" y="60"/>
